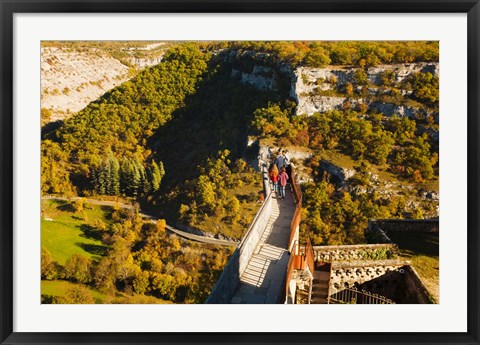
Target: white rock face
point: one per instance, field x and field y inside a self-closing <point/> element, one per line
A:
<point x="262" y="77"/>
<point x="306" y="80"/>
<point x="342" y="174"/>
<point x="143" y="63"/>
<point x="403" y="70"/>
<point x="318" y="104"/>
<point x="71" y="79"/>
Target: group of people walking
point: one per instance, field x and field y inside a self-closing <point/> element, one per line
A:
<point x="278" y="173"/>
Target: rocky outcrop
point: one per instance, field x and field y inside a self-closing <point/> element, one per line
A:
<point x="144" y="62"/>
<point x="261" y="77"/>
<point x="259" y="70"/>
<point x="307" y="82"/>
<point x="318" y="104"/>
<point x="390" y="109"/>
<point x="402" y="70"/>
<point x="341" y="174"/>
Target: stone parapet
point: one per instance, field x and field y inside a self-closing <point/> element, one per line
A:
<point x="354" y="252"/>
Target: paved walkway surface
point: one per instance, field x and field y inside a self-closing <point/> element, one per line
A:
<point x="264" y="278"/>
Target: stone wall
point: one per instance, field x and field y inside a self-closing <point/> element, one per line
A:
<point x="224" y="289"/>
<point x="390" y="278"/>
<point x="377" y="231"/>
<point x="226" y="285"/>
<point x="416" y="292"/>
<point x="401" y="285"/>
<point x="353" y="252"/>
<point x="407" y="225"/>
<point x="353" y="273"/>
<point x="254" y="234"/>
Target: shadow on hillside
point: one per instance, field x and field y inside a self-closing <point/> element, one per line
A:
<point x="90" y="232"/>
<point x="48" y="130"/>
<point x="66" y="207"/>
<point x="215" y="118"/>
<point x="416" y="243"/>
<point x="94" y="249"/>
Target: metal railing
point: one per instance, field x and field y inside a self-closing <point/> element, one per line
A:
<point x="356" y="296"/>
<point x="294" y="231"/>
<point x="295" y="224"/>
<point x="310" y="256"/>
<point x="297" y="192"/>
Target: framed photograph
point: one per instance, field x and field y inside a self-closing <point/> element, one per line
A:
<point x="239" y="172"/>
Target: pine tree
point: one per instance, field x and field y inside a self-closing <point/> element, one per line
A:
<point x="99" y="179"/>
<point x="156" y="175"/>
<point x="124" y="176"/>
<point x="106" y="169"/>
<point x="136" y="178"/>
<point x="115" y="176"/>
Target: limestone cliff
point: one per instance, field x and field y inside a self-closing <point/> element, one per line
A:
<point x="315" y="89"/>
<point x="74" y="76"/>
<point x="311" y="88"/>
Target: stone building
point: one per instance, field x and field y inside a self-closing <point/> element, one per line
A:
<point x="359" y="274"/>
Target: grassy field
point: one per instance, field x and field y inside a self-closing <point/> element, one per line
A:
<point x="422" y="250"/>
<point x="65" y="232"/>
<point x="58" y="288"/>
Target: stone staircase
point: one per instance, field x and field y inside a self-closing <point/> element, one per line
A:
<point x="321" y="281"/>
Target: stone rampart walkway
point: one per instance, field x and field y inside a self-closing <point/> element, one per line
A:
<point x="264" y="278"/>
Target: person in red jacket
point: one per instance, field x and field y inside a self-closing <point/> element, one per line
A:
<point x="274" y="177"/>
<point x="282" y="178"/>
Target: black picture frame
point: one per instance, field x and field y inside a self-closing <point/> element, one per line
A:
<point x="10" y="7"/>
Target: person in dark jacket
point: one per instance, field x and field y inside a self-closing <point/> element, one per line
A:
<point x="279" y="162"/>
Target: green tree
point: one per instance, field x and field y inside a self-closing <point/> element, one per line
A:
<point x="380" y="146"/>
<point x="232" y="206"/>
<point x="78" y="269"/>
<point x="79" y="204"/>
<point x="55" y="176"/>
<point x="156" y="174"/>
<point x="78" y="295"/>
<point x="114" y="183"/>
<point x="360" y="77"/>
<point x="206" y="193"/>
<point x="358" y="148"/>
<point x="317" y="57"/>
<point x="164" y="286"/>
<point x="425" y="87"/>
<point x="141" y="282"/>
<point x="104" y="277"/>
<point x="49" y="267"/>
